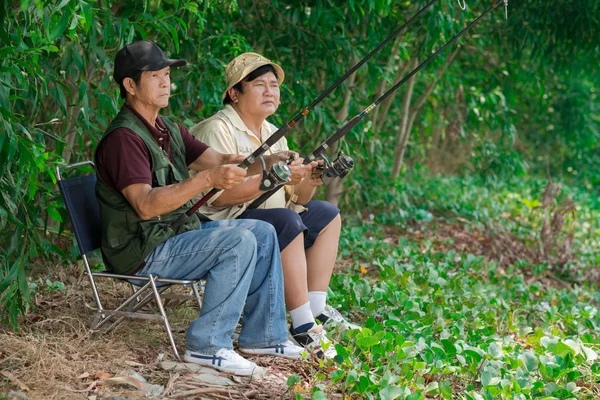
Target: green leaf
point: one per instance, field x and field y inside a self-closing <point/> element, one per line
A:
<point x="432" y="389"/>
<point x="61" y="5"/>
<point x="590" y="354"/>
<point x="529" y="360"/>
<point x="495" y="351"/>
<point x="50" y="48"/>
<point x="61" y="26"/>
<point x="391" y="393"/>
<point x="563" y="348"/>
<point x="487" y="379"/>
<point x="55" y="215"/>
<point x="365" y="342"/>
<point x="446" y="390"/>
<point x="58" y="94"/>
<point x="87" y="15"/>
<point x="337" y="375"/>
<point x="82" y="91"/>
<point x="399" y="340"/>
<point x="363" y="384"/>
<point x="351" y="378"/>
<point x="4" y="100"/>
<point x="415" y="396"/>
<point x="174" y="36"/>
<point x="292" y="380"/>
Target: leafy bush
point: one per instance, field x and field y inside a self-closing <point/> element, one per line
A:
<point x="453" y="325"/>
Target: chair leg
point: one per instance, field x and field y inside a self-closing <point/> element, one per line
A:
<point x="134" y="289"/>
<point x="164" y="315"/>
<point x="137" y="306"/>
<point x="197" y="294"/>
<point x="132" y="299"/>
<point x="88" y="270"/>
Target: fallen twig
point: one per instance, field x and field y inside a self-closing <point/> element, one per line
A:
<point x="14" y="380"/>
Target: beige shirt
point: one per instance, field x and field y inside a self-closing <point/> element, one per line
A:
<point x="226" y="133"/>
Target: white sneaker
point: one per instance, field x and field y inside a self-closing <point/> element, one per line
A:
<point x="334" y="321"/>
<point x="315" y="341"/>
<point x="225" y="360"/>
<point x="285" y="350"/>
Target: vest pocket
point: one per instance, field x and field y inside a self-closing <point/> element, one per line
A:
<point x="119" y="241"/>
<point x="162" y="176"/>
<point x="153" y="233"/>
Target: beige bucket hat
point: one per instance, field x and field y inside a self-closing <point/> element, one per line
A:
<point x="244" y="64"/>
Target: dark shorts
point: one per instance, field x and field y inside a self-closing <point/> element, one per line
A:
<point x="290" y="224"/>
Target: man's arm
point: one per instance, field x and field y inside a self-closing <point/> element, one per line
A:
<point x="150" y="202"/>
<point x="211" y="158"/>
<point x="304" y="191"/>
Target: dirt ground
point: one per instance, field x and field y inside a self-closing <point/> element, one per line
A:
<point x="54" y="355"/>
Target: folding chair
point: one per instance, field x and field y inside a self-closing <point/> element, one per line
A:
<point x="84" y="212"/>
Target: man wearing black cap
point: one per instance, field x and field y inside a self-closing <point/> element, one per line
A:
<point x="144" y="185"/>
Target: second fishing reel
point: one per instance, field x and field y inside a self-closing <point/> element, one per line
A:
<point x="339" y="168"/>
<point x="279" y="174"/>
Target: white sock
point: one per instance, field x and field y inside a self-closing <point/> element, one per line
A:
<point x="301" y="316"/>
<point x="317" y="302"/>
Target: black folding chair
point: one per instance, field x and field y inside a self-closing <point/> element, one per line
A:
<point x="84" y="213"/>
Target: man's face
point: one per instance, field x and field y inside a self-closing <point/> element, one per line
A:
<point x="154" y="88"/>
<point x="260" y="97"/>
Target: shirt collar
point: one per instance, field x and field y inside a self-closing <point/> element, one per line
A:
<point x="153" y="129"/>
<point x="239" y="124"/>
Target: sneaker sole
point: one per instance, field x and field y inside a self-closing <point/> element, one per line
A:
<point x="239" y="372"/>
<point x="259" y="353"/>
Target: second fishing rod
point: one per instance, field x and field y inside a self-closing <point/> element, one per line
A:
<point x="342" y="165"/>
<point x="274" y="138"/>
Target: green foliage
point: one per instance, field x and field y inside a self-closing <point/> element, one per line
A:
<point x="56" y="98"/>
<point x="452" y="325"/>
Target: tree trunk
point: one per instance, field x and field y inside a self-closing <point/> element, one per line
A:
<point x="408" y="116"/>
<point x="382" y="85"/>
<point x="402" y="137"/>
<point x="335" y="188"/>
<point x="387" y="103"/>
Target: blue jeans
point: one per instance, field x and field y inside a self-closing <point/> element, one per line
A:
<point x="241" y="265"/>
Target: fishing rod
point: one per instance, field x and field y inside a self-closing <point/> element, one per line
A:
<point x="270" y="179"/>
<point x="342" y="165"/>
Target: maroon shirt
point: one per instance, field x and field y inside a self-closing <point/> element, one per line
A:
<point x="123" y="158"/>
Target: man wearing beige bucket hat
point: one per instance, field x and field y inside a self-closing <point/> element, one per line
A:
<point x="308" y="230"/>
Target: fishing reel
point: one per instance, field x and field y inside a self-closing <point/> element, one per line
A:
<point x="279" y="174"/>
<point x="339" y="168"/>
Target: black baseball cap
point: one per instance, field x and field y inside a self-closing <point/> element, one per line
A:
<point x="143" y="55"/>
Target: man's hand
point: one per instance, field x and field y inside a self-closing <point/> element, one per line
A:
<point x="280" y="156"/>
<point x="225" y="176"/>
<point x="299" y="171"/>
<point x="313" y="178"/>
